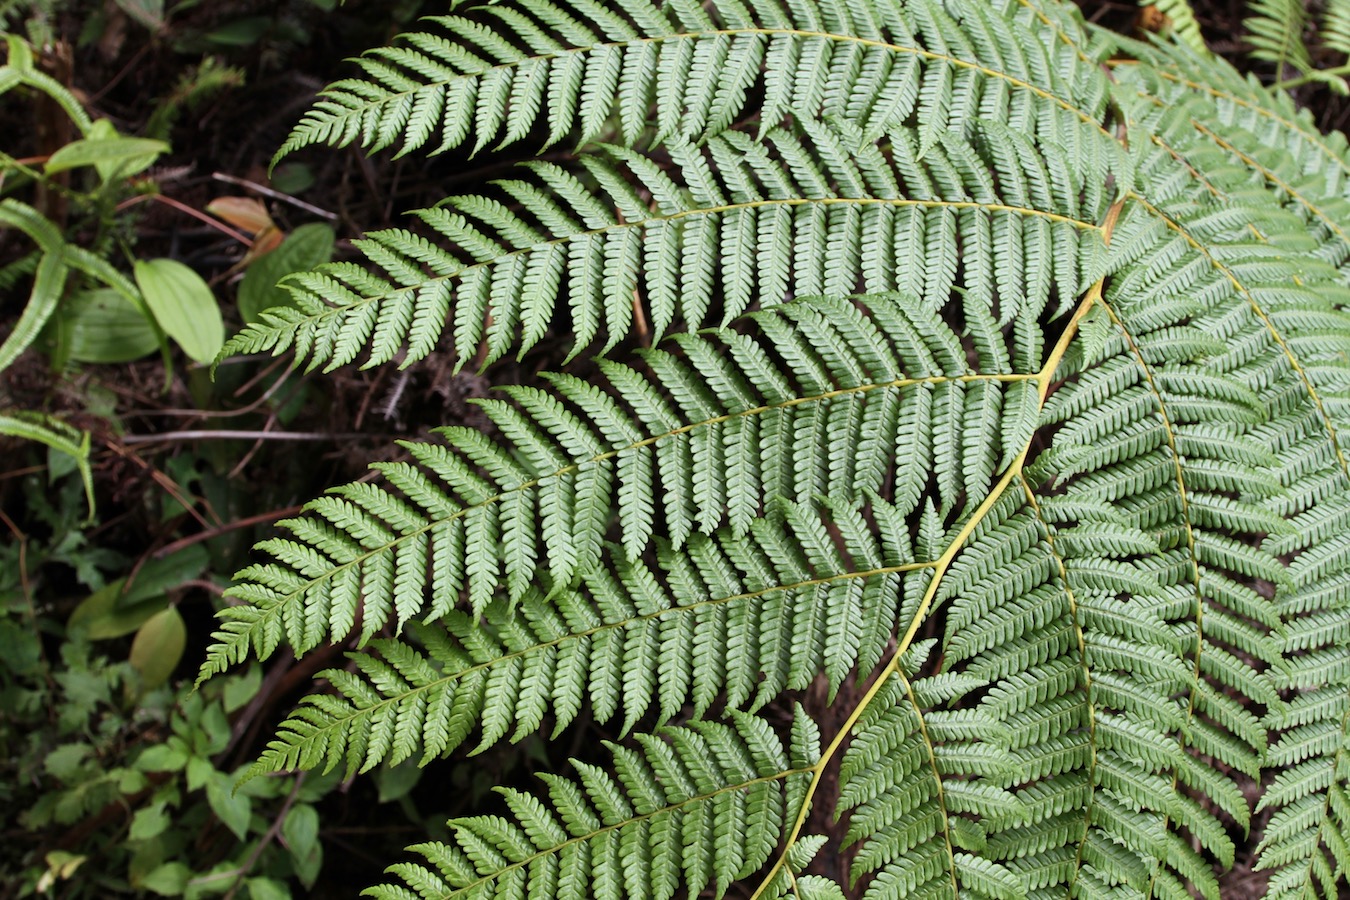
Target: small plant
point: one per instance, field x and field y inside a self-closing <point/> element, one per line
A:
<point x="1301" y="46"/>
<point x="96" y="312"/>
<point x="120" y="784"/>
<point x="119" y="779"/>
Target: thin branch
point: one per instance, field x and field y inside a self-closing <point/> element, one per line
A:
<point x="184" y="208"/>
<point x="231" y="435"/>
<point x="275" y="194"/>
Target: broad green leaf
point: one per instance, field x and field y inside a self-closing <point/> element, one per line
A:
<point x="171" y="756"/>
<point x="116" y="610"/>
<point x="48" y="284"/>
<point x="112" y="156"/>
<point x="168" y="880"/>
<point x="232" y="808"/>
<point x="301" y="830"/>
<point x="149" y="821"/>
<point x="241" y="32"/>
<point x="149" y="13"/>
<point x="65" y="761"/>
<point x="183" y="305"/>
<point x="396" y="782"/>
<point x="101" y="326"/>
<point x="267" y="889"/>
<point x="158" y="647"/>
<point x="241" y="688"/>
<point x="103" y="614"/>
<point x="305" y="248"/>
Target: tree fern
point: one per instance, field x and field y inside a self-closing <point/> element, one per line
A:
<point x="1283" y="32"/>
<point x="578" y="69"/>
<point x="998" y="386"/>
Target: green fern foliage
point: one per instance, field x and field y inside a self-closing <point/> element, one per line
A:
<point x="660" y="819"/>
<point x="764" y="204"/>
<point x="819" y="212"/>
<point x="1336" y="26"/>
<point x="959" y="495"/>
<point x="1282" y="32"/>
<point x="821" y="403"/>
<point x="642" y="70"/>
<point x="739" y="620"/>
<point x="1275" y="33"/>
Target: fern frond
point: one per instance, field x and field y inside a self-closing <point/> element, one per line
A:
<point x="1304" y="842"/>
<point x="703" y="805"/>
<point x="665" y="71"/>
<point x="821" y="402"/>
<point x="1335" y="30"/>
<point x="1275" y="33"/>
<point x="1087" y="569"/>
<point x="822" y="212"/>
<point x="914" y="808"/>
<point x="1290" y="178"/>
<point x="737" y="618"/>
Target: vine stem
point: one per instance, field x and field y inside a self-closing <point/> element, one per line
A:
<point x="1044" y="379"/>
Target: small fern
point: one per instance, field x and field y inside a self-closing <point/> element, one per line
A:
<point x="1283" y="33"/>
<point x="998" y="389"/>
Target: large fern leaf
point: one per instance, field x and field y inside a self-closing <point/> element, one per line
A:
<point x="662" y="818"/>
<point x="638" y="68"/>
<point x="821" y="403"/>
<point x="821" y="213"/>
<point x="1064" y="492"/>
<point x="643" y="230"/>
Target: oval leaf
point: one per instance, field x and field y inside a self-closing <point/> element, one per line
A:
<point x="101" y="326"/>
<point x="158" y="647"/>
<point x="119" y="156"/>
<point x="101" y="616"/>
<point x="308" y="246"/>
<point x="232" y="808"/>
<point x="184" y="306"/>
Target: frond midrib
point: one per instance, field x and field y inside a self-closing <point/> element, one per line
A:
<point x="1261" y="314"/>
<point x="1196" y="576"/>
<point x="1317" y="140"/>
<point x="1088" y="703"/>
<point x="1325" y="817"/>
<point x="637" y="817"/>
<point x="1274" y="178"/>
<point x="1010" y="473"/>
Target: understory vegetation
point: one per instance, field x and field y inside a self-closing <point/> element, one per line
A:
<point x="762" y="448"/>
